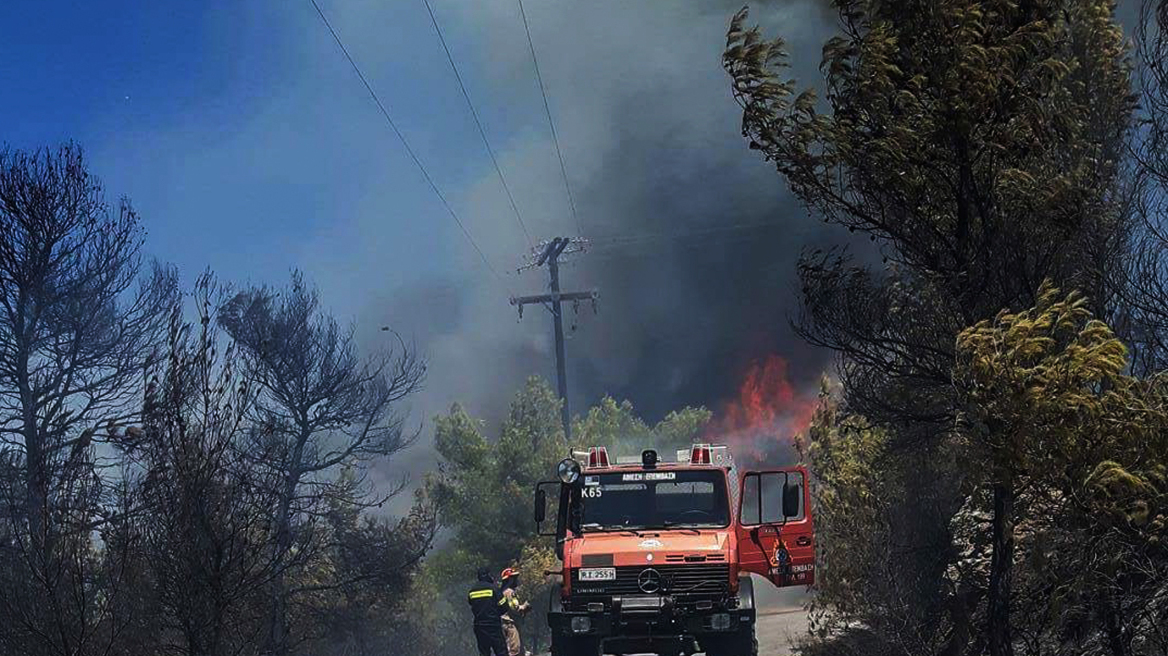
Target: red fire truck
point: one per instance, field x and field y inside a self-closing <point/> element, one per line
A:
<point x="657" y="555"/>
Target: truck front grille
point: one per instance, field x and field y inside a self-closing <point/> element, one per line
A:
<point x="683" y="582"/>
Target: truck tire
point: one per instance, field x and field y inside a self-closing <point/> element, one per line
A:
<point x="566" y="646"/>
<point x="741" y="643"/>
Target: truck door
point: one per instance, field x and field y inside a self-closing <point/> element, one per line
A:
<point x="776" y="537"/>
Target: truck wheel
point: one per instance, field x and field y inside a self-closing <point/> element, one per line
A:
<point x="565" y="646"/>
<point x="741" y="643"/>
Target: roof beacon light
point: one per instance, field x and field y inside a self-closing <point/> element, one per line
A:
<point x="700" y="454"/>
<point x="707" y="454"/>
<point x="597" y="457"/>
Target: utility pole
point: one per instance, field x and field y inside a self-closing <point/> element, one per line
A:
<point x="549" y="253"/>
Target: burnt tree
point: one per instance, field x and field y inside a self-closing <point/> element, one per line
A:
<point x="78" y="324"/>
<point x="203" y="540"/>
<point x="319" y="406"/>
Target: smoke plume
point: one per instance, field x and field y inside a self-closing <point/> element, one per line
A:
<point x="694" y="238"/>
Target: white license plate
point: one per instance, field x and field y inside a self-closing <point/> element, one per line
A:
<point x="598" y="574"/>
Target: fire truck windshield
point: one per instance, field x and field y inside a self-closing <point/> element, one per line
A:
<point x="654" y="499"/>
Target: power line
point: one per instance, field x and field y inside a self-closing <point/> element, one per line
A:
<point x="401" y="137"/>
<point x="478" y="123"/>
<point x="624" y="240"/>
<point x="637" y="250"/>
<point x="551" y="124"/>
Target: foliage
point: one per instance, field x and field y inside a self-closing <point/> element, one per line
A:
<point x="1044" y="389"/>
<point x="159" y="536"/>
<point x="865" y="600"/>
<point x="203" y="543"/>
<point x="355" y="594"/>
<point x="1046" y="404"/>
<point x="947" y="125"/>
<point x="484" y="488"/>
<point x="977" y="144"/>
<point x="852" y="502"/>
<point x="483" y="491"/>
<point x="535" y="586"/>
<point x="617" y="427"/>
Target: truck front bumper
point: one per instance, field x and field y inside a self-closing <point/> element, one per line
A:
<point x="645" y="616"/>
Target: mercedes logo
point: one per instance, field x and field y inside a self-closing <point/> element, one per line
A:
<point x="649" y="581"/>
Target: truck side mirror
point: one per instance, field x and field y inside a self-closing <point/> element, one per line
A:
<point x="792" y="500"/>
<point x="540" y="505"/>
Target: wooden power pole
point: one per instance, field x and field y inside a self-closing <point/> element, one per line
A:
<point x="549" y="254"/>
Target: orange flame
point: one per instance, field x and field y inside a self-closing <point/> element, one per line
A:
<point x="768" y="409"/>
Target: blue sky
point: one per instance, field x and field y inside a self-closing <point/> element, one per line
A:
<point x="238" y="130"/>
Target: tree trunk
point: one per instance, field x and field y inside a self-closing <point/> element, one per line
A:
<point x="960" y="614"/>
<point x="278" y="628"/>
<point x="35" y="462"/>
<point x="278" y="635"/>
<point x="1001" y="565"/>
<point x="1114" y="630"/>
<point x="36" y="484"/>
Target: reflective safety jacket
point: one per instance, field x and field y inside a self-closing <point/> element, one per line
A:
<point x="510" y="605"/>
<point x="487" y="604"/>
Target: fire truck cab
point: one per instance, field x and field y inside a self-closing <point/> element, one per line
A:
<point x="657" y="555"/>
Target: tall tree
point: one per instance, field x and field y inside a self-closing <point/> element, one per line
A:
<point x="319" y="406"/>
<point x="978" y="144"/>
<point x="1046" y="403"/>
<point x="78" y="324"/>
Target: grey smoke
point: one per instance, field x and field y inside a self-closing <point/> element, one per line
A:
<point x="651" y="138"/>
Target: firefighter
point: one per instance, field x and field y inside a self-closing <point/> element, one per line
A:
<point x="488" y="604"/>
<point x="513" y="609"/>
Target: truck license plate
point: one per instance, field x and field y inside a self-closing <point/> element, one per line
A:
<point x="598" y="574"/>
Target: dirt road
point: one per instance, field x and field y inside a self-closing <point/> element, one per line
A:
<point x="781" y="618"/>
<point x="779" y="629"/>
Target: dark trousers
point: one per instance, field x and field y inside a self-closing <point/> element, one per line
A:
<point x="490" y="639"/>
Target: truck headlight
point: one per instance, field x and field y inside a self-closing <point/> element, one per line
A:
<point x="581" y="625"/>
<point x="569" y="471"/>
<point x="720" y="622"/>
